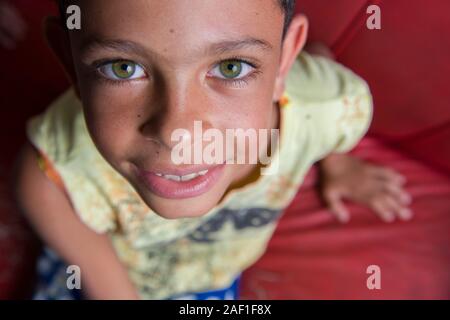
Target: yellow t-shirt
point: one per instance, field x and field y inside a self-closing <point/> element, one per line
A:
<point x="326" y="108"/>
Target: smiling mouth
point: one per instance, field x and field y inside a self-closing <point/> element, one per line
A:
<point x="179" y="184"/>
<point x="183" y="178"/>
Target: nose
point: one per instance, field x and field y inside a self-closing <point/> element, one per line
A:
<point x="176" y="106"/>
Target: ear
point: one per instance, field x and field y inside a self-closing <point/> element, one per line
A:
<point x="293" y="43"/>
<point x="58" y="40"/>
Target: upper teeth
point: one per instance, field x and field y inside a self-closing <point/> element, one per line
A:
<point x="186" y="177"/>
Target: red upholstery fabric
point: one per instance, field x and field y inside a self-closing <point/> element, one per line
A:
<point x="29" y="80"/>
<point x="310" y="255"/>
<point x="406" y="64"/>
<point x="408" y="56"/>
<point x="30" y="76"/>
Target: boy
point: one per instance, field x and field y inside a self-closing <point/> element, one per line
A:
<point x="107" y="195"/>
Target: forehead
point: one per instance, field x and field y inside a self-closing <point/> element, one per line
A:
<point x="179" y="26"/>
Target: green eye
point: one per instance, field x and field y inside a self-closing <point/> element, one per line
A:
<point x="123" y="69"/>
<point x="230" y="68"/>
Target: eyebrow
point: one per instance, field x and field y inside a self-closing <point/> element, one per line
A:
<point x="215" y="48"/>
<point x="232" y="45"/>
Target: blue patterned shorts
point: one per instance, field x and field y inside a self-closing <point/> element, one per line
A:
<point x="52" y="283"/>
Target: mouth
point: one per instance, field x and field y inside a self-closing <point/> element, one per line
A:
<point x="187" y="177"/>
<point x="180" y="184"/>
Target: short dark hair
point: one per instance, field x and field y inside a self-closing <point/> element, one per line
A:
<point x="288" y="7"/>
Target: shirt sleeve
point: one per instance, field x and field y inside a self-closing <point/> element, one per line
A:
<point x="68" y="158"/>
<point x="335" y="104"/>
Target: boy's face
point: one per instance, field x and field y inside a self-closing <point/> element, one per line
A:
<point x="145" y="68"/>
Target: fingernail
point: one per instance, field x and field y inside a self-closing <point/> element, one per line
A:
<point x="407" y="214"/>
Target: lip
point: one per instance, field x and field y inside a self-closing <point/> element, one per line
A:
<point x="181" y="189"/>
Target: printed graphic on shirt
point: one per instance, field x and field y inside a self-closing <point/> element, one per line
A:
<point x="240" y="219"/>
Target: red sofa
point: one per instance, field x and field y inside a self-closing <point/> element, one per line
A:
<point x="311" y="256"/>
<point x="407" y="66"/>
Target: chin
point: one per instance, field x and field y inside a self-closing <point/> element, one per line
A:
<point x="192" y="207"/>
<point x="182" y="208"/>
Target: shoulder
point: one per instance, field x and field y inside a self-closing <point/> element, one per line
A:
<point x="330" y="107"/>
<point x="60" y="137"/>
<point x="317" y="79"/>
<point x="60" y="129"/>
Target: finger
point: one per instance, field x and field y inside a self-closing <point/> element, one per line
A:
<point x="389" y="174"/>
<point x="382" y="210"/>
<point x="399" y="193"/>
<point x="405" y="214"/>
<point x="337" y="207"/>
<point x="393" y="204"/>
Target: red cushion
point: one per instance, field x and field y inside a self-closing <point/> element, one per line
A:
<point x="311" y="256"/>
<point x="31" y="77"/>
<point x="405" y="63"/>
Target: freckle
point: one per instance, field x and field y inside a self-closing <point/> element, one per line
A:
<point x="139" y="115"/>
<point x="172" y="31"/>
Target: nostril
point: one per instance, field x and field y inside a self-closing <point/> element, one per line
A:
<point x="151" y="127"/>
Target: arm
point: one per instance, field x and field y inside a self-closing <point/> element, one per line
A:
<point x="346" y="177"/>
<point x="51" y="215"/>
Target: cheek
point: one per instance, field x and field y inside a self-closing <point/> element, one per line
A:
<point x="256" y="113"/>
<point x="261" y="107"/>
<point x="109" y="140"/>
<point x="111" y="123"/>
<point x="252" y="105"/>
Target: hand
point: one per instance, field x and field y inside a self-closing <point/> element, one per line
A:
<point x="379" y="188"/>
<point x="12" y="26"/>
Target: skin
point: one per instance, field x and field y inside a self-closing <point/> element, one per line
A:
<point x="131" y="122"/>
<point x="380" y="188"/>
